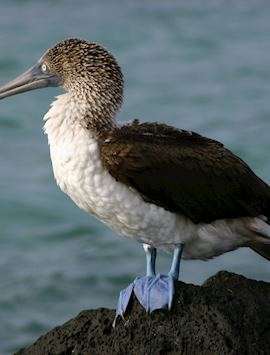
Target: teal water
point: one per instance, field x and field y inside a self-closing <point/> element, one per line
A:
<point x="199" y="65"/>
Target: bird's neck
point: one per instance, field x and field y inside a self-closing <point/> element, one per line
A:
<point x="68" y="112"/>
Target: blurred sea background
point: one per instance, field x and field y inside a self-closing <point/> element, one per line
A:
<point x="198" y="65"/>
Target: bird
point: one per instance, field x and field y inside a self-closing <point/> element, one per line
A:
<point x="160" y="185"/>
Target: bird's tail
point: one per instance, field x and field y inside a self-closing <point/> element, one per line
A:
<point x="262" y="249"/>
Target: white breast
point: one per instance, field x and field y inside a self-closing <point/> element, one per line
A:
<point x="79" y="173"/>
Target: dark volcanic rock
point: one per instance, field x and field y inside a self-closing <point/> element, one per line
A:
<point x="229" y="314"/>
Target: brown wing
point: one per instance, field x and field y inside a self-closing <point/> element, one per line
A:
<point x="184" y="172"/>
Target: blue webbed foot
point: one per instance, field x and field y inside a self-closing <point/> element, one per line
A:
<point x="152" y="291"/>
<point x="155" y="292"/>
<point x="123" y="302"/>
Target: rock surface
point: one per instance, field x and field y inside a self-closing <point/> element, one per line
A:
<point x="228" y="314"/>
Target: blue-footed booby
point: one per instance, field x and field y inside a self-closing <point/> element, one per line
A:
<point x="165" y="187"/>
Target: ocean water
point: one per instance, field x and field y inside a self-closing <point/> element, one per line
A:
<point x="198" y="65"/>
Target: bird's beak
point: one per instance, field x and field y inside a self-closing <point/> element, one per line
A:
<point x="32" y="79"/>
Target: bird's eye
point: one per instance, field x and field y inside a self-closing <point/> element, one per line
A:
<point x="44" y="68"/>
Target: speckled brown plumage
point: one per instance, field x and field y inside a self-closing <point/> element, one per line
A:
<point x="92" y="74"/>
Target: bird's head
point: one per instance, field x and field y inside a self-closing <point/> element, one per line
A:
<point x="84" y="69"/>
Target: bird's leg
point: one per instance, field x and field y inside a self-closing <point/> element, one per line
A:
<point x="175" y="267"/>
<point x="174" y="271"/>
<point x="151" y="254"/>
<point x="125" y="294"/>
<point x="157" y="291"/>
<point x="152" y="291"/>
